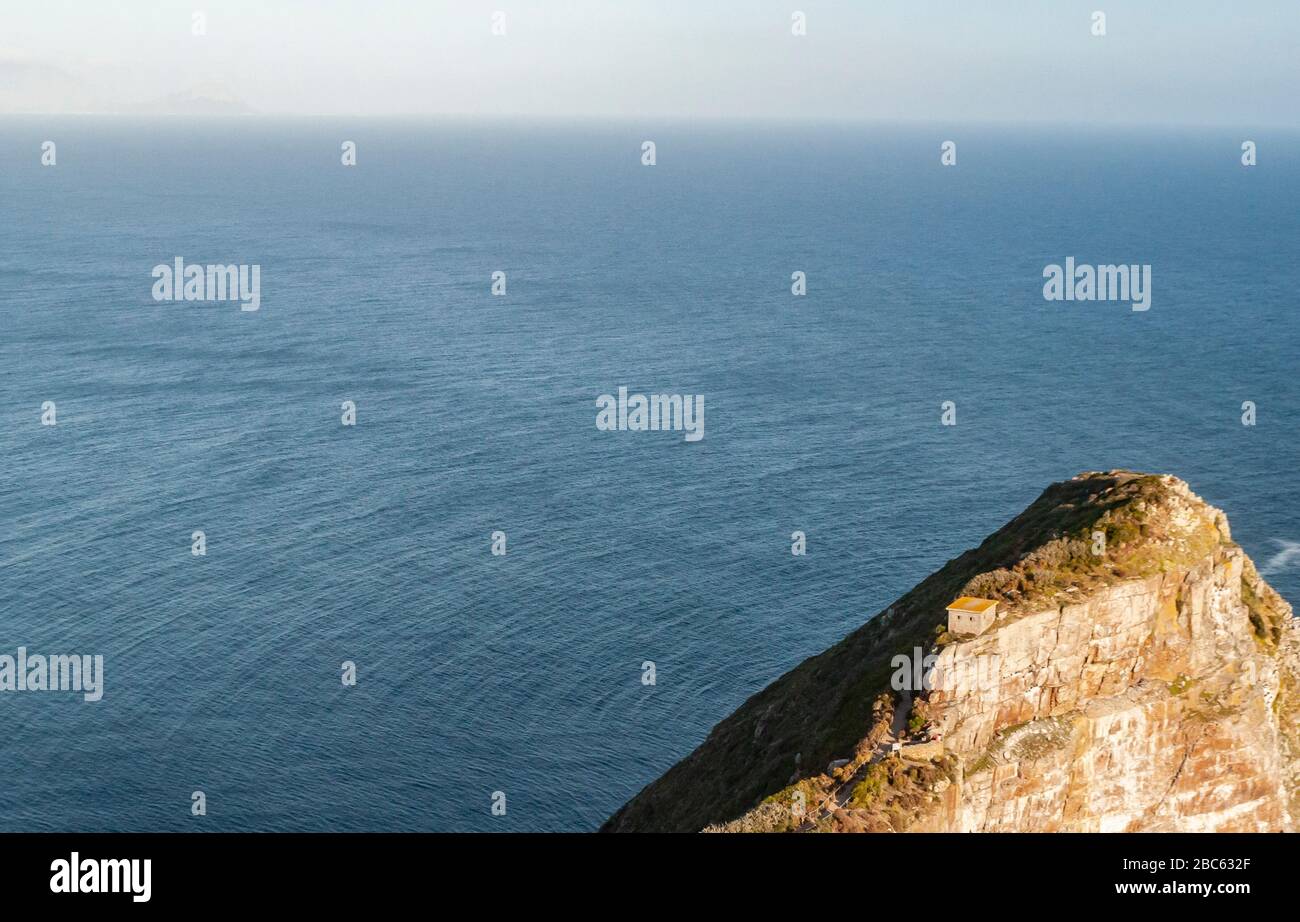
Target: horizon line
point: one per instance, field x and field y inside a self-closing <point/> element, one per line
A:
<point x="662" y="117"/>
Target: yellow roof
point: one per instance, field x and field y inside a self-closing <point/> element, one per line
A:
<point x="970" y="603"/>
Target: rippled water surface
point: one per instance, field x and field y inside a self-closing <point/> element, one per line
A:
<point x="476" y="413"/>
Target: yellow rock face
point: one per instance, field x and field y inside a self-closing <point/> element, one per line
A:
<point x="1169" y="697"/>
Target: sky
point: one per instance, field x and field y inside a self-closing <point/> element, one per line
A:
<point x="1160" y="61"/>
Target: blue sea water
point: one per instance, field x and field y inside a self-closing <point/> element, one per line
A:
<point x="476" y="413"/>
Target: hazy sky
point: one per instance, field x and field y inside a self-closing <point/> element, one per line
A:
<point x="1194" y="61"/>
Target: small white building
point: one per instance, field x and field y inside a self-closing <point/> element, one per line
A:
<point x="969" y="615"/>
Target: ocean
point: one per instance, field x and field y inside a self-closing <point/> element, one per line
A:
<point x="475" y="413"/>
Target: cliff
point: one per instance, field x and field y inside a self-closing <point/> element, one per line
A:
<point x="1139" y="675"/>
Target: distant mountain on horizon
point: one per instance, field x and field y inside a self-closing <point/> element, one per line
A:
<point x="33" y="87"/>
<point x="204" y="99"/>
<point x="30" y="87"/>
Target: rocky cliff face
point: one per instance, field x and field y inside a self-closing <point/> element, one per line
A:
<point x="1140" y="676"/>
